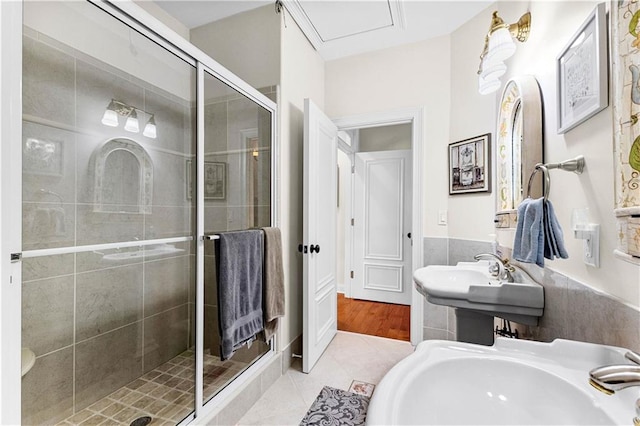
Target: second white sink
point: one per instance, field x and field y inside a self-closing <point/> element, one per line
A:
<point x="469" y="285"/>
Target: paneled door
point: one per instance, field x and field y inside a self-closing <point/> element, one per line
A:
<point x="320" y="313"/>
<point x="382" y="227"/>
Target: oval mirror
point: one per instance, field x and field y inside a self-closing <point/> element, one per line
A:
<point x="518" y="146"/>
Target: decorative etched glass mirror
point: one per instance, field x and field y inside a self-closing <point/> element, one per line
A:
<point x="123" y="177"/>
<point x="518" y="146"/>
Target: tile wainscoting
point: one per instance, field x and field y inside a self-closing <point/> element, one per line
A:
<point x="573" y="310"/>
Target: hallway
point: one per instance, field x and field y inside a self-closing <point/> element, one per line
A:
<point x="374" y="318"/>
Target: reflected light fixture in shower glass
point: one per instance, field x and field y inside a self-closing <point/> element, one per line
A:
<point x="150" y="128"/>
<point x="110" y="117"/>
<point x="132" y="124"/>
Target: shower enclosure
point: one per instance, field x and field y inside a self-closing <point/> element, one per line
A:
<point x="134" y="148"/>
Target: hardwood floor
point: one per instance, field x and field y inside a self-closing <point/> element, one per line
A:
<point x="374" y="318"/>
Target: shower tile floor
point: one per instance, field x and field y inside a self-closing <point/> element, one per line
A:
<point x="165" y="394"/>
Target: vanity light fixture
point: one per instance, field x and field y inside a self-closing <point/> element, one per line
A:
<point x="117" y="108"/>
<point x="110" y="116"/>
<point x="498" y="47"/>
<point x="132" y="124"/>
<point x="150" y="128"/>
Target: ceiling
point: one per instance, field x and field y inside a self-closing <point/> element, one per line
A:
<point x="339" y="28"/>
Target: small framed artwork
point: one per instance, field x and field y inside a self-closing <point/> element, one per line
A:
<point x="43" y="157"/>
<point x="581" y="73"/>
<point x="469" y="165"/>
<point x="215" y="180"/>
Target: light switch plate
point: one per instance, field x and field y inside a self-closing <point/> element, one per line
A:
<point x="442" y="217"/>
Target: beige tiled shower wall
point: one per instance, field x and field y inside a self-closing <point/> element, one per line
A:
<point x="573" y="310"/>
<point x="94" y="323"/>
<point x="96" y="330"/>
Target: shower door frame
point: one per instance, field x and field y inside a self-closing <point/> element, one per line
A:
<point x="11" y="19"/>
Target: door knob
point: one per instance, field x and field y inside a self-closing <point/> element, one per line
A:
<point x="409" y="235"/>
<point x="315" y="248"/>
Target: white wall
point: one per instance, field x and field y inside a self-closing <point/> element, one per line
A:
<point x="429" y="74"/>
<point x="470" y="216"/>
<point x="553" y="24"/>
<point x="413" y="75"/>
<point x="82" y="27"/>
<point x="302" y="76"/>
<point x="247" y="44"/>
<point x="161" y="15"/>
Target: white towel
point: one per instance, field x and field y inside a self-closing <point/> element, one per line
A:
<point x="273" y="281"/>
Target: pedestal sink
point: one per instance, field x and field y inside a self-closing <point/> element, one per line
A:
<point x="513" y="382"/>
<point x="478" y="297"/>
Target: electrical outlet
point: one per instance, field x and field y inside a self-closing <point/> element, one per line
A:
<point x="591" y="246"/>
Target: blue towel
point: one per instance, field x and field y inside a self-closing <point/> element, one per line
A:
<point x="528" y="245"/>
<point x="239" y="261"/>
<point x="538" y="233"/>
<point x="553" y="233"/>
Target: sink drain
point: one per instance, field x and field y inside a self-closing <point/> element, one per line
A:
<point x="141" y="421"/>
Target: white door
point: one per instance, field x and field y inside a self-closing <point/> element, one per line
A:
<point x="320" y="312"/>
<point x="382" y="227"/>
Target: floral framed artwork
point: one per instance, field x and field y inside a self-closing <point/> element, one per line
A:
<point x="469" y="165"/>
<point x="215" y="180"/>
<point x="581" y="72"/>
<point x="625" y="70"/>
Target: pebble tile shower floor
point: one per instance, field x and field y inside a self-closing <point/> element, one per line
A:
<point x="165" y="394"/>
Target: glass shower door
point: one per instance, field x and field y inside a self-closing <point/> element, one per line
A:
<point x="237" y="196"/>
<point x="109" y="265"/>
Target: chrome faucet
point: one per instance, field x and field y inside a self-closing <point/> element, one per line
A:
<point x="501" y="269"/>
<point x="610" y="378"/>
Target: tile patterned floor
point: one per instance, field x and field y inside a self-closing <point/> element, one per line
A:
<point x="349" y="357"/>
<point x="165" y="394"/>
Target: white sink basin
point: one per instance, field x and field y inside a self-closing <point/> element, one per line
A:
<point x="469" y="285"/>
<point x="513" y="382"/>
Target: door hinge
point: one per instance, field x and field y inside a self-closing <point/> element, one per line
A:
<point x="353" y="221"/>
<point x="351" y="274"/>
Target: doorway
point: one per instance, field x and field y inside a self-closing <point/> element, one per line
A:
<point x="319" y="271"/>
<point x="374" y="220"/>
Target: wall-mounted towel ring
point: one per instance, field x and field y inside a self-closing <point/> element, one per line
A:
<point x="546" y="184"/>
<point x="575" y="165"/>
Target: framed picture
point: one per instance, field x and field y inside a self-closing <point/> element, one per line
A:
<point x="469" y="165"/>
<point x="43" y="157"/>
<point x="215" y="180"/>
<point x="581" y="72"/>
<point x="625" y="99"/>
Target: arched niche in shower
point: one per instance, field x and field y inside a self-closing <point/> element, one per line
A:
<point x="123" y="177"/>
